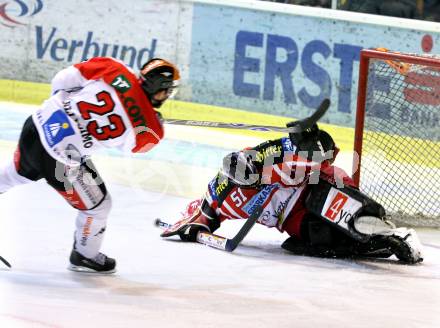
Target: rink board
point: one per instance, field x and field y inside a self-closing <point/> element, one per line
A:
<point x="189" y="157"/>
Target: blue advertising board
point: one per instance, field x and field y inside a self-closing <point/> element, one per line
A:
<point x="285" y="63"/>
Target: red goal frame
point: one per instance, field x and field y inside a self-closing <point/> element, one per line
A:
<point x="365" y="56"/>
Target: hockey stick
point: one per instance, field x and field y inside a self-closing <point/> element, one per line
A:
<point x="205" y="238"/>
<point x="220" y="242"/>
<point x="5" y="262"/>
<point x="211" y="124"/>
<point x="306" y="123"/>
<point x="293" y="127"/>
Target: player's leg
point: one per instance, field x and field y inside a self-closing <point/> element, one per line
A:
<point x="385" y="237"/>
<point x="83" y="188"/>
<point x="312" y="236"/>
<point x="316" y="237"/>
<point x="366" y="226"/>
<point x="10" y="178"/>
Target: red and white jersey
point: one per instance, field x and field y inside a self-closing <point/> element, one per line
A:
<point x="283" y="206"/>
<point x="284" y="175"/>
<point x="94" y="104"/>
<point x="277" y="202"/>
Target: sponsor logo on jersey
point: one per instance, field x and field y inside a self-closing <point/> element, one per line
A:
<point x="287" y="145"/>
<point x="121" y="83"/>
<point x="86" y="138"/>
<point x="211" y="188"/>
<point x="281" y="207"/>
<point x="336" y="206"/>
<point x="57" y="127"/>
<point x="271" y="151"/>
<point x="222" y="183"/>
<point x="135" y="113"/>
<point x="259" y="199"/>
<point x="339" y="207"/>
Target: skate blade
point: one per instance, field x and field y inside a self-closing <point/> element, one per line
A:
<point x="82" y="269"/>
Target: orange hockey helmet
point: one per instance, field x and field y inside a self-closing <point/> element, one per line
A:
<point x="156" y="75"/>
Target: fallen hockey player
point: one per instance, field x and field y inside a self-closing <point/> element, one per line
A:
<point x="303" y="194"/>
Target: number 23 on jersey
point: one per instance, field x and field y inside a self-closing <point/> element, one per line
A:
<point x="105" y="107"/>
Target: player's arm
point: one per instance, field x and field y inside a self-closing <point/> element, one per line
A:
<point x="206" y="221"/>
<point x="78" y="75"/>
<point x="245" y="168"/>
<point x="69" y="79"/>
<point x="278" y="161"/>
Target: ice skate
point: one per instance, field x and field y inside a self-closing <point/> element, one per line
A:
<point x="406" y="245"/>
<point x="99" y="264"/>
<point x="401" y="242"/>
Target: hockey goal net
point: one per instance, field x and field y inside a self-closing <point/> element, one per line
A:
<point x="397" y="135"/>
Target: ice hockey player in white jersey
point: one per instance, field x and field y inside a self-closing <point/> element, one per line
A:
<point x="97" y="103"/>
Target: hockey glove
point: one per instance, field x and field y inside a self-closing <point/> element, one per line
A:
<point x="190" y="232"/>
<point x="306" y="141"/>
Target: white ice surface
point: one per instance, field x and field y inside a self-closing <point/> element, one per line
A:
<point x="168" y="283"/>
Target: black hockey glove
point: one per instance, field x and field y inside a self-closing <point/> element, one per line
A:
<point x="315" y="144"/>
<point x="190" y="233"/>
<point x="306" y="141"/>
<point x="241" y="170"/>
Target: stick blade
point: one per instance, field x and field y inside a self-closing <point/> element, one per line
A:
<point x="5" y="262"/>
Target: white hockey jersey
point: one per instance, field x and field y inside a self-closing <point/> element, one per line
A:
<point x="94" y="104"/>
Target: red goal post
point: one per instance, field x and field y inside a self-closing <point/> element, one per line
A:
<point x="397" y="132"/>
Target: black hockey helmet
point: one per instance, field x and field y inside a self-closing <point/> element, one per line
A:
<point x="158" y="74"/>
<point x="326" y="141"/>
